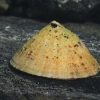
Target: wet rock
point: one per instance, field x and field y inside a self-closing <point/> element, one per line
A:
<point x="15" y="85"/>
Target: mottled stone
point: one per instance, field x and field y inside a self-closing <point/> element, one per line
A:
<point x="15" y="85"/>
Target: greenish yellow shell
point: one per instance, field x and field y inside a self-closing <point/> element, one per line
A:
<point x="55" y="52"/>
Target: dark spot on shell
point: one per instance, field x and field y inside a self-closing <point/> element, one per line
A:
<point x="80" y="44"/>
<point x="69" y="46"/>
<point x="93" y="64"/>
<point x="81" y="57"/>
<point x="25" y="48"/>
<point x="83" y="64"/>
<point x="53" y="25"/>
<point x="33" y="40"/>
<point x="66" y="37"/>
<point x="72" y="73"/>
<point x="49" y="30"/>
<point x="85" y="68"/>
<point x="47" y="57"/>
<point x="30" y="53"/>
<point x="57" y="57"/>
<point x="75" y="45"/>
<point x="74" y="52"/>
<point x="31" y="58"/>
<point x="57" y="37"/>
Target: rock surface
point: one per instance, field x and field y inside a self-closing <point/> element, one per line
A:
<point x="16" y="85"/>
<point x="65" y="10"/>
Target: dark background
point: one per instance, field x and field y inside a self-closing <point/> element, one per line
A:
<point x="47" y="10"/>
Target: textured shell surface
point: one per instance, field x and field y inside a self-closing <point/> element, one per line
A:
<point x="55" y="52"/>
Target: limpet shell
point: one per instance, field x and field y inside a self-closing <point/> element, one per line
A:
<point x="55" y="52"/>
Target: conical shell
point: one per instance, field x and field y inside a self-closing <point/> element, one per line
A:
<point x="55" y="52"/>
